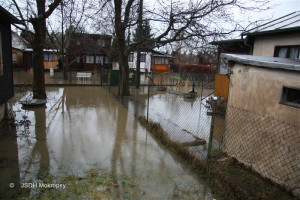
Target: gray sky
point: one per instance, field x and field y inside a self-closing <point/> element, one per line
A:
<point x="284" y="7"/>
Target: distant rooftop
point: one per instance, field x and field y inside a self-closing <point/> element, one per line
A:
<point x="264" y="61"/>
<point x="284" y="23"/>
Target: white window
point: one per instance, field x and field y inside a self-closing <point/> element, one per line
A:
<point x="106" y="60"/>
<point x="14" y="57"/>
<point x="1" y="60"/>
<point x="78" y="59"/>
<point x="89" y="59"/>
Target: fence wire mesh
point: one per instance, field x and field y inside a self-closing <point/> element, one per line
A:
<point x="186" y="121"/>
<point x="269" y="146"/>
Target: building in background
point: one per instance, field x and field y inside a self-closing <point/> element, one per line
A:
<point x="89" y="52"/>
<point x="19" y="44"/>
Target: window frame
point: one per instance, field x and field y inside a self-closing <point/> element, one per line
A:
<point x="288" y="47"/>
<point x="90" y="59"/>
<point x="1" y="57"/>
<point x="130" y="57"/>
<point x="284" y="96"/>
<point x="143" y="57"/>
<point x="14" y="57"/>
<point x="99" y="60"/>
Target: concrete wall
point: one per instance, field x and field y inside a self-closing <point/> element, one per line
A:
<point x="259" y="90"/>
<point x="265" y="45"/>
<point x="261" y="132"/>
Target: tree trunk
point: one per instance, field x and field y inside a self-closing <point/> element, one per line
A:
<point x="38" y="88"/>
<point x="123" y="57"/>
<point x="125" y="74"/>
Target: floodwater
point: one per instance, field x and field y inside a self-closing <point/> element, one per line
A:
<point x="82" y="128"/>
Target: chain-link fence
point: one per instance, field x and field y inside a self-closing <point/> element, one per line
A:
<point x="186" y="121"/>
<point x="269" y="146"/>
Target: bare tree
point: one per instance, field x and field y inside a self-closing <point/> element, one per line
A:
<point x="176" y="20"/>
<point x="35" y="13"/>
<point x="71" y="18"/>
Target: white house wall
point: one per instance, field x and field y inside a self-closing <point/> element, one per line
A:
<point x="143" y="65"/>
<point x="265" y="45"/>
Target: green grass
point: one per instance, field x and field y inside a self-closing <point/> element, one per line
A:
<point x="97" y="184"/>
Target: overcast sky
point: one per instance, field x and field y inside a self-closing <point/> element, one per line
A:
<point x="283" y="7"/>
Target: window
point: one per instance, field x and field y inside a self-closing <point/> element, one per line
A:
<point x="78" y="59"/>
<point x="143" y="57"/>
<point x="160" y="61"/>
<point x="78" y="43"/>
<point x="15" y="57"/>
<point x="48" y="57"/>
<point x="1" y="60"/>
<point x="99" y="60"/>
<point x="290" y="97"/>
<point x="55" y="57"/>
<point x="287" y="52"/>
<point x="130" y="57"/>
<point x="89" y="59"/>
<point x="101" y="43"/>
<point x="157" y="60"/>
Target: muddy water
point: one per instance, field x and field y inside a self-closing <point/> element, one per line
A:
<point x="83" y="128"/>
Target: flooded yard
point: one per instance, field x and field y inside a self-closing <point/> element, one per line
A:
<point x="83" y="128"/>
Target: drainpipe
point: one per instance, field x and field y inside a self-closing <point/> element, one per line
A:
<point x="246" y="42"/>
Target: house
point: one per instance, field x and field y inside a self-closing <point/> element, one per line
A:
<point x="263" y="116"/>
<point x="19" y="44"/>
<point x="50" y="59"/>
<point x="145" y="61"/>
<point x="88" y="52"/>
<point x="150" y="61"/>
<point x="160" y="62"/>
<point x="6" y="72"/>
<point x="278" y="38"/>
<point x="263" y="107"/>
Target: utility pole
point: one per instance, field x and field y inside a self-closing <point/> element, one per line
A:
<point x="138" y="58"/>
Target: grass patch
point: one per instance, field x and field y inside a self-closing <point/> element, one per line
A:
<point x="97" y="184"/>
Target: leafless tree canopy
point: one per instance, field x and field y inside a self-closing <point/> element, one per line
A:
<point x="188" y="23"/>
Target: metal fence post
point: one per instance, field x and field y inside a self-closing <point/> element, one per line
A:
<point x="211" y="136"/>
<point x="148" y="100"/>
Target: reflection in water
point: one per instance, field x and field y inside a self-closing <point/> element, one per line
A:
<point x="9" y="165"/>
<point x="83" y="128"/>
